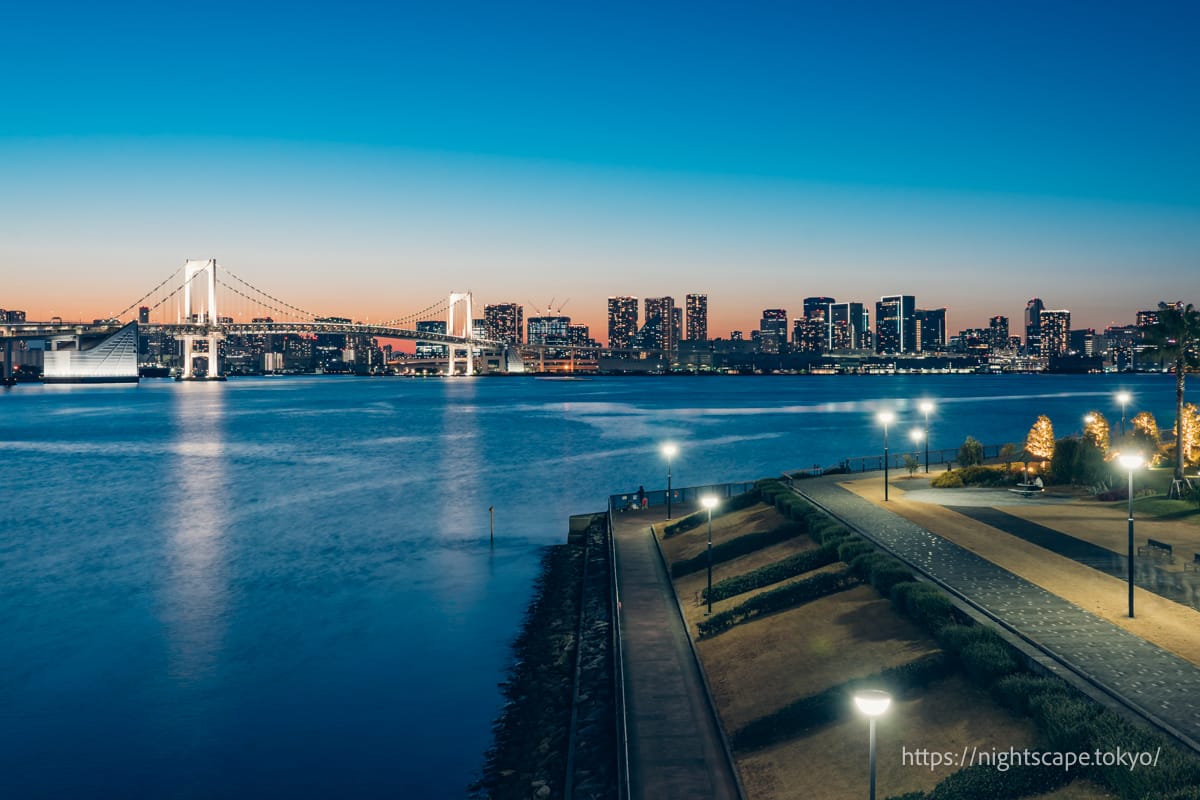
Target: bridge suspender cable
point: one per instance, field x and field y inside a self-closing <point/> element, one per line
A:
<point x="137" y="302"/>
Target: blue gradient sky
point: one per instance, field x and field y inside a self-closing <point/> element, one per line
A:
<point x="364" y="159"/>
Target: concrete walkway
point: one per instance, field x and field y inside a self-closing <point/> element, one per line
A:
<point x="1158" y="684"/>
<point x="675" y="746"/>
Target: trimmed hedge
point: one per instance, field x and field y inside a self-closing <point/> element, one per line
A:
<point x="785" y="597"/>
<point x="789" y="567"/>
<point x="853" y="547"/>
<point x="986" y="662"/>
<point x="828" y="705"/>
<point x="924" y="604"/>
<point x="947" y="480"/>
<point x="1016" y="691"/>
<point x="698" y="518"/>
<point x="727" y="551"/>
<point x="986" y="780"/>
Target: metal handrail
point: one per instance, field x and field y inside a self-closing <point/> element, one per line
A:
<point x="622" y="723"/>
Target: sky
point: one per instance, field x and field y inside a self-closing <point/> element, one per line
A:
<point x="365" y="159"/>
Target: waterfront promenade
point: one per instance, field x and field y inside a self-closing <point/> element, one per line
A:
<point x="675" y="745"/>
<point x="1151" y="680"/>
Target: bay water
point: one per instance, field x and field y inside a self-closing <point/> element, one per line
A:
<point x="285" y="587"/>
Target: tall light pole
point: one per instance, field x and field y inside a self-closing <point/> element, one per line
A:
<point x="1123" y="398"/>
<point x="1131" y="462"/>
<point x="885" y="417"/>
<point x="918" y="436"/>
<point x="710" y="503"/>
<point x="873" y="703"/>
<point x="669" y="450"/>
<point x="926" y="407"/>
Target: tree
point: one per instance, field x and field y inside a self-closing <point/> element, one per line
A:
<point x="1008" y="452"/>
<point x="1190" y="420"/>
<point x="1096" y="430"/>
<point x="971" y="452"/>
<point x="1144" y="436"/>
<point x="1040" y="441"/>
<point x="1175" y="337"/>
<point x="911" y="463"/>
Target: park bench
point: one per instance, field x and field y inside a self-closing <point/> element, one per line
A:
<point x="1027" y="489"/>
<point x="1157" y="549"/>
<point x="1195" y="563"/>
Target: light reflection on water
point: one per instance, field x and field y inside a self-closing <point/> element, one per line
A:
<point x="284" y="586"/>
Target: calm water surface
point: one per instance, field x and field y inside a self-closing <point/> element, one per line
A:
<point x="284" y="587"/>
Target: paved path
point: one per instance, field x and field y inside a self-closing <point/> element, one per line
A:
<point x="1161" y="685"/>
<point x="675" y="748"/>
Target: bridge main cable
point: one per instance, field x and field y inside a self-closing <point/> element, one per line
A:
<point x="141" y="299"/>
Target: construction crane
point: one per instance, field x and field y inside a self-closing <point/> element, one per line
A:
<point x="550" y="309"/>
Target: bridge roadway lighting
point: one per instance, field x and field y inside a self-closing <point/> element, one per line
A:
<point x="926" y="407"/>
<point x="873" y="703"/>
<point x="668" y="450"/>
<point x="885" y="418"/>
<point x="1123" y="398"/>
<point x="709" y="502"/>
<point x="1131" y="462"/>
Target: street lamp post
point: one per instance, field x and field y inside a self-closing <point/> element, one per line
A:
<point x="918" y="436"/>
<point x="710" y="503"/>
<point x="885" y="417"/>
<point x="873" y="703"/>
<point x="1123" y="398"/>
<point x="1131" y="462"/>
<point x="926" y="407"/>
<point x="669" y="450"/>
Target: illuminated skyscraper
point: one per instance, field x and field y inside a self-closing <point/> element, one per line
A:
<point x="931" y="330"/>
<point x="1055" y="331"/>
<point x="817" y="307"/>
<point x="773" y="330"/>
<point x="896" y="324"/>
<point x="622" y="321"/>
<point x="697" y="317"/>
<point x="549" y="330"/>
<point x="1033" y="326"/>
<point x="504" y="321"/>
<point x="998" y="333"/>
<point x="849" y="326"/>
<point x="660" y="323"/>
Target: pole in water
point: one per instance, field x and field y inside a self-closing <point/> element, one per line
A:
<point x="492" y="524"/>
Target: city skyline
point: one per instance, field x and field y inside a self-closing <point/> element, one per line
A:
<point x="971" y="157"/>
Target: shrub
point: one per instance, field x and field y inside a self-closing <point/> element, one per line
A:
<point x="888" y="573"/>
<point x="986" y="780"/>
<point x="982" y="476"/>
<point x="1089" y="467"/>
<point x="785" y="597"/>
<point x="1016" y="691"/>
<point x="924" y="604"/>
<point x="853" y="547"/>
<point x="987" y="661"/>
<point x="947" y="480"/>
<point x="697" y="518"/>
<point x="727" y="551"/>
<point x="1064" y="722"/>
<point x="773" y="573"/>
<point x="953" y="638"/>
<point x="685" y="524"/>
<point x="971" y="452"/>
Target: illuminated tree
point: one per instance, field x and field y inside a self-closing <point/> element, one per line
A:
<point x="1096" y="430"/>
<point x="1175" y="337"/>
<point x="1190" y="438"/>
<point x="1040" y="441"/>
<point x="1143" y="436"/>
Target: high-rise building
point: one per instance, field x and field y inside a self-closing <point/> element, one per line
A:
<point x="1086" y="342"/>
<point x="579" y="336"/>
<point x="773" y="331"/>
<point x="676" y="327"/>
<point x="817" y="307"/>
<point x="697" y="317"/>
<point x="809" y="334"/>
<point x="896" y="324"/>
<point x="931" y="330"/>
<point x="660" y="323"/>
<point x="144" y="315"/>
<point x="1033" y="326"/>
<point x="549" y="330"/>
<point x="622" y="322"/>
<point x="1054" y="328"/>
<point x="504" y="321"/>
<point x="849" y="326"/>
<point x="431" y="349"/>
<point x="998" y="333"/>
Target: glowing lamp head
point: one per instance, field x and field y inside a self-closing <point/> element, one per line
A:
<point x="1132" y="461"/>
<point x="926" y="406"/>
<point x="1089" y="418"/>
<point x="669" y="450"/>
<point x="885" y="417"/>
<point x="917" y="434"/>
<point x="873" y="702"/>
<point x="709" y="502"/>
<point x="1124" y="397"/>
